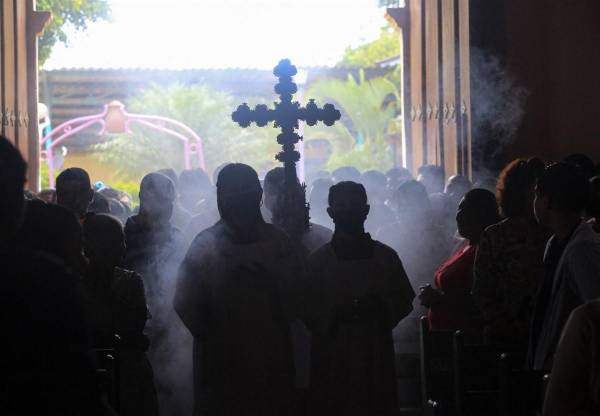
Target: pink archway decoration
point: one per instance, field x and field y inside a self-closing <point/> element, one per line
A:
<point x="114" y="119"/>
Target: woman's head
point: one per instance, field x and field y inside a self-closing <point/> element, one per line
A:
<point x="476" y="211"/>
<point x="516" y="187"/>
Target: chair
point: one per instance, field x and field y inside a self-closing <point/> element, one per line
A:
<point x="475" y="377"/>
<point x="521" y="391"/>
<point x="437" y="379"/>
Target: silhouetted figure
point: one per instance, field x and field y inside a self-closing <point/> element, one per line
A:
<point x="571" y="261"/>
<point x="274" y="192"/>
<point x="54" y="231"/>
<point x="574" y="387"/>
<point x="238" y="291"/>
<point x="419" y="242"/>
<point x="116" y="304"/>
<point x="318" y="194"/>
<point x="380" y="214"/>
<point x="154" y="250"/>
<point x="194" y="188"/>
<point x="508" y="265"/>
<point x="47" y="195"/>
<point x="43" y="354"/>
<point x="74" y="191"/>
<point x="346" y="173"/>
<point x="433" y="178"/>
<point x="305" y="242"/>
<point x="181" y="217"/>
<point x="358" y="291"/>
<point x="450" y="305"/>
<point x="151" y="240"/>
<point x="456" y="188"/>
<point x="395" y="178"/>
<point x="583" y="163"/>
<point x="592" y="210"/>
<point x="100" y="204"/>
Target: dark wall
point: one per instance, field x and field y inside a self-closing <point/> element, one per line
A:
<point x="553" y="51"/>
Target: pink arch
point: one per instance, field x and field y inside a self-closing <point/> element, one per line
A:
<point x="192" y="143"/>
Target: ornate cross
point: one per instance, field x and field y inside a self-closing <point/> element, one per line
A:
<point x="286" y="114"/>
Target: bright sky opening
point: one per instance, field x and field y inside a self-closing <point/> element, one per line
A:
<point x="181" y="34"/>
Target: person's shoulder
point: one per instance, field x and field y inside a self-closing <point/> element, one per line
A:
<point x="585" y="239"/>
<point x="383" y="250"/>
<point x="208" y="236"/>
<point x="589" y="310"/>
<point x="274" y="234"/>
<point x="35" y="271"/>
<point x="127" y="276"/>
<point x="320" y="229"/>
<point x="132" y="225"/>
<point x="586" y="316"/>
<point x="128" y="280"/>
<point x="320" y="253"/>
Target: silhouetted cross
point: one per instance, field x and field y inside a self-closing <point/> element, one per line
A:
<point x="286" y="114"/>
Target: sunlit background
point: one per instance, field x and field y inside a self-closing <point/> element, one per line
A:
<point x="194" y="62"/>
<point x="178" y="34"/>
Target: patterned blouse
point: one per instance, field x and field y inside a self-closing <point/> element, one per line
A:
<point x="508" y="266"/>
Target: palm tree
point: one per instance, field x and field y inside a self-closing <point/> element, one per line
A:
<point x="368" y="108"/>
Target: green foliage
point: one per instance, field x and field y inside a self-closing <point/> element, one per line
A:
<point x="367" y="55"/>
<point x="368" y="111"/>
<point x="204" y="110"/>
<point x="77" y="13"/>
<point x="44" y="180"/>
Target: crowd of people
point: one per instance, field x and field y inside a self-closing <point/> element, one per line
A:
<point x="213" y="309"/>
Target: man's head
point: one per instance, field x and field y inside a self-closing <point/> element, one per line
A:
<point x="346" y="173"/>
<point x="348" y="207"/>
<point x="104" y="240"/>
<point x="273" y="188"/>
<point x="476" y="211"/>
<point x="74" y="191"/>
<point x="410" y="201"/>
<point x="171" y="174"/>
<point x="433" y="177"/>
<point x="396" y="177"/>
<point x="561" y="194"/>
<point x="239" y="194"/>
<point x="194" y="185"/>
<point x="12" y="181"/>
<point x="457" y="187"/>
<point x="157" y="194"/>
<point x="376" y="184"/>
